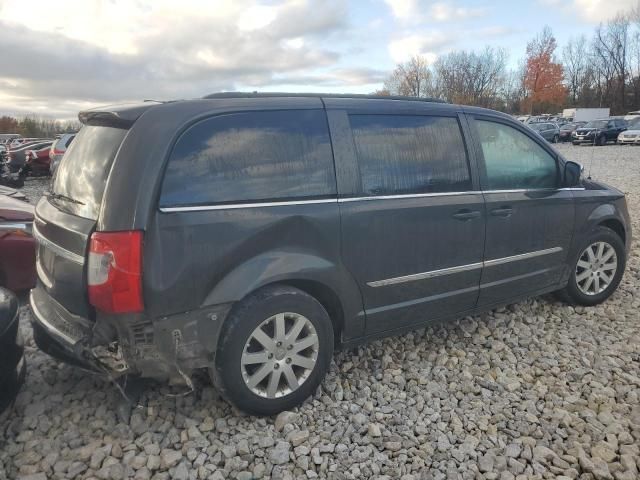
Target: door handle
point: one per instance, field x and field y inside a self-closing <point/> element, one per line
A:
<point x="465" y="215"/>
<point x="502" y="212"/>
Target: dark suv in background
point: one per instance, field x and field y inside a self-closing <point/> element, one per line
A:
<point x="547" y="130"/>
<point x="250" y="234"/>
<point x="599" y="132"/>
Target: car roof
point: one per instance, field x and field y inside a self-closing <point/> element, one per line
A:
<point x="319" y="95"/>
<point x="125" y="115"/>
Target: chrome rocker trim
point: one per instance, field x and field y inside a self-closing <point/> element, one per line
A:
<point x="463" y="268"/>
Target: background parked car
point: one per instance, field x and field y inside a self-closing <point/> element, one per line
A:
<point x="599" y="132"/>
<point x="567" y="129"/>
<point x="8" y="137"/>
<point x="13" y="193"/>
<point x="37" y="162"/>
<point x="632" y="116"/>
<point x="17" y="156"/>
<point x="17" y="246"/>
<point x="631" y="136"/>
<point x="57" y="150"/>
<point x="547" y="130"/>
<point x="12" y="363"/>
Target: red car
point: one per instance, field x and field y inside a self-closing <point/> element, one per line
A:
<point x="17" y="246"/>
<point x="37" y="162"/>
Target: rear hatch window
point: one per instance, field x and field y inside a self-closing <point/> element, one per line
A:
<point x="82" y="175"/>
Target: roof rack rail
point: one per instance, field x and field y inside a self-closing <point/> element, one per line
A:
<point x="319" y="95"/>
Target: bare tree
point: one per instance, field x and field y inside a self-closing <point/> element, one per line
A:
<point x="470" y="77"/>
<point x="576" y="66"/>
<point x="611" y="46"/>
<point x="411" y="79"/>
<point x="513" y="89"/>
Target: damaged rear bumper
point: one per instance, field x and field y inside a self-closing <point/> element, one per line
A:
<point x="169" y="348"/>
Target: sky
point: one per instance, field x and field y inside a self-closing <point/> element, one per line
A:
<point x="60" y="57"/>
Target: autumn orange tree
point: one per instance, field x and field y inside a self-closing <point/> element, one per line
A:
<point x="543" y="77"/>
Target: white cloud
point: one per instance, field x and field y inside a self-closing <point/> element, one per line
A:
<point x="401" y="49"/>
<point x="95" y="52"/>
<point x="602" y="10"/>
<point x="425" y="10"/>
<point x="257" y="17"/>
<point x="403" y="8"/>
<point x="445" y="12"/>
<point x="592" y="11"/>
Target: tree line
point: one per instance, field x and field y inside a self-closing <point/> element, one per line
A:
<point x="35" y="127"/>
<point x="600" y="71"/>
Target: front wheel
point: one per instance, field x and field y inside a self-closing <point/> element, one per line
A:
<point x="274" y="350"/>
<point x="556" y="138"/>
<point x="597" y="269"/>
<point x="601" y="141"/>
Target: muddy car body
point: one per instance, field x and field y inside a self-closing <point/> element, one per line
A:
<point x="249" y="234"/>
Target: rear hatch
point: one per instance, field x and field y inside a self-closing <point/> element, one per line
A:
<point x="66" y="218"/>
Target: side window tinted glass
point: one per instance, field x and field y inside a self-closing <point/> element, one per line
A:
<point x="513" y="160"/>
<point x="252" y="156"/>
<point x="409" y="154"/>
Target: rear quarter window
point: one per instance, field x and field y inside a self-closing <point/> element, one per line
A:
<point x="251" y="157"/>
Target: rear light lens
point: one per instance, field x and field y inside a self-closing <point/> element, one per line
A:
<point x="114" y="273"/>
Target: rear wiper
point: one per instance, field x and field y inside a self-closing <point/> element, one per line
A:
<point x="59" y="196"/>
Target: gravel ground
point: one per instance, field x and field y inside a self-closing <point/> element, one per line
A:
<point x="534" y="390"/>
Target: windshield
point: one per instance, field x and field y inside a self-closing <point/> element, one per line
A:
<point x="539" y="126"/>
<point x="596" y="124"/>
<point x="634" y="125"/>
<point x="82" y="175"/>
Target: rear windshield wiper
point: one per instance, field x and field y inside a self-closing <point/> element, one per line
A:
<point x="59" y="196"/>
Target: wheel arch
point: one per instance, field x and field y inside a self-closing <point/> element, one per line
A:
<point x="320" y="278"/>
<point x="617" y="226"/>
<point x="327" y="297"/>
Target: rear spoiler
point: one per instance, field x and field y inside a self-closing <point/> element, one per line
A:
<point x="117" y="116"/>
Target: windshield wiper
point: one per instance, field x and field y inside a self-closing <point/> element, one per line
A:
<point x="59" y="196"/>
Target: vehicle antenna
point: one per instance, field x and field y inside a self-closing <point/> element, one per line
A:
<point x="593" y="152"/>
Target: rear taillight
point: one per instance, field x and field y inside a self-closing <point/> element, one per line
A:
<point x="114" y="272"/>
<point x="57" y="152"/>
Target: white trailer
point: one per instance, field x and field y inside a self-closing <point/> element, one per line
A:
<point x="585" y="114"/>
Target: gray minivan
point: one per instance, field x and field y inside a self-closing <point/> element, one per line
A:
<point x="250" y="234"/>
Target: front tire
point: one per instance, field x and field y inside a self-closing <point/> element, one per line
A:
<point x="596" y="270"/>
<point x="556" y="138"/>
<point x="601" y="141"/>
<point x="274" y="350"/>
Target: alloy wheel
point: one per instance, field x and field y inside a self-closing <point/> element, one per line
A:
<point x="596" y="268"/>
<point x="279" y="355"/>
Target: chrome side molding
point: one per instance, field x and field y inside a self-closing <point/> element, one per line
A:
<point x="522" y="256"/>
<point x="463" y="268"/>
<point x="425" y="275"/>
<point x="233" y="206"/>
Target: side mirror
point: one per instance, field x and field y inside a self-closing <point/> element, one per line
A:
<point x="572" y="174"/>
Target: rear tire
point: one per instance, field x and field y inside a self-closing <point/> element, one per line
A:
<point x="256" y="367"/>
<point x="592" y="279"/>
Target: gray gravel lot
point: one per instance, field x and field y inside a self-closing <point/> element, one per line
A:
<point x="535" y="390"/>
